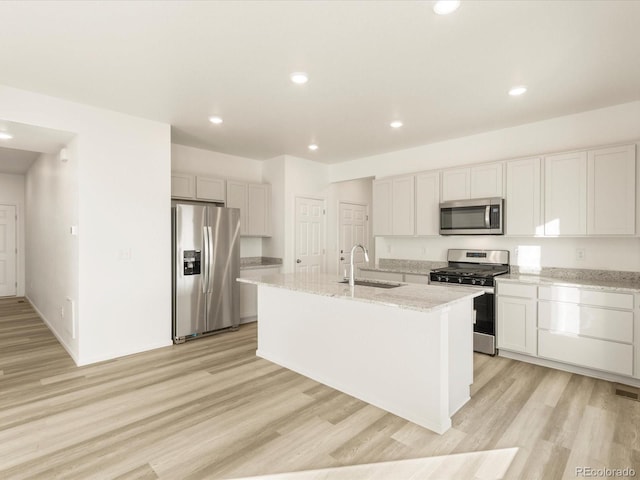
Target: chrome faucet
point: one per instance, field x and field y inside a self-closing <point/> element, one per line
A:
<point x="352" y="275"/>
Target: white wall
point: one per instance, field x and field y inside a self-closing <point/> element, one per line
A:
<point x="610" y="125"/>
<point x="124" y="191"/>
<point x="193" y="160"/>
<point x="616" y="124"/>
<point x="51" y="252"/>
<point x="356" y="191"/>
<point x="12" y="193"/>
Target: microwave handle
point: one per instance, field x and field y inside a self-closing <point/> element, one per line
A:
<point x="487" y="216"/>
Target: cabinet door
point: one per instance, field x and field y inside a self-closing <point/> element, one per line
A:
<point x="611" y="191"/>
<point x="210" y="188"/>
<point x="516" y="321"/>
<point x="456" y="184"/>
<point x="237" y="198"/>
<point x="427" y="204"/>
<point x="382" y="209"/>
<point x="486" y="181"/>
<point x="523" y="198"/>
<point x="183" y="185"/>
<point x="403" y="206"/>
<point x="259" y="210"/>
<point x="565" y="194"/>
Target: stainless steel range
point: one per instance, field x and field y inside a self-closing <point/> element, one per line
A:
<point x="477" y="268"/>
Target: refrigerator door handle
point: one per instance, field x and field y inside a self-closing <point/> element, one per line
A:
<point x="210" y="262"/>
<point x="205" y="260"/>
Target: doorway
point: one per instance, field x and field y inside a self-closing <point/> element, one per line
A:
<point x="353" y="229"/>
<point x="8" y="251"/>
<point x="310" y="253"/>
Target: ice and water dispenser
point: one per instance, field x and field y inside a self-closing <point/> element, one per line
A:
<point x="191" y="262"/>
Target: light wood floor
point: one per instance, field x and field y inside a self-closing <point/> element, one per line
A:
<point x="212" y="409"/>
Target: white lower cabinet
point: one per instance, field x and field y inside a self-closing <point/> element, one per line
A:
<point x="249" y="292"/>
<point x="587" y="328"/>
<point x="516" y="318"/>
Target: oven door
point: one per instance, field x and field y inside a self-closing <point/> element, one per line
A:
<point x="484" y="328"/>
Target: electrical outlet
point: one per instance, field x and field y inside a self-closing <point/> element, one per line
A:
<point x="580" y="254"/>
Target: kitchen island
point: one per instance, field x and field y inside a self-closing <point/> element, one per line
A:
<point x="407" y="350"/>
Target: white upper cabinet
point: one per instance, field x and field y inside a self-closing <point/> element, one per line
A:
<point x="427" y="203"/>
<point x="482" y="181"/>
<point x="237" y="198"/>
<point x="403" y="205"/>
<point x="211" y="188"/>
<point x="456" y="184"/>
<point x="565" y="194"/>
<point x="394" y="206"/>
<point x="591" y="192"/>
<point x="611" y="187"/>
<point x="183" y="185"/>
<point x="523" y="198"/>
<point x="486" y="181"/>
<point x="254" y="202"/>
<point x="382" y="197"/>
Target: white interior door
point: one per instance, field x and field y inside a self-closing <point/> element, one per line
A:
<point x="310" y="249"/>
<point x="7" y="250"/>
<point x="353" y="229"/>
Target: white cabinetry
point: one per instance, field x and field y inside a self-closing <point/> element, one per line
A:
<point x="516" y="319"/>
<point x="394" y="206"/>
<point x="197" y="187"/>
<point x="254" y="202"/>
<point x="523" y="198"/>
<point x="482" y="181"/>
<point x="565" y="194"/>
<point x="210" y="188"/>
<point x="428" y="203"/>
<point x="591" y="193"/>
<point x="183" y="185"/>
<point x="611" y="187"/>
<point x="249" y="292"/>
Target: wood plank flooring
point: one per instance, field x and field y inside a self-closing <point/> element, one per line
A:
<point x="211" y="409"/>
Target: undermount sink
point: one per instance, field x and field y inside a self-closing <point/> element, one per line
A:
<point x="373" y="283"/>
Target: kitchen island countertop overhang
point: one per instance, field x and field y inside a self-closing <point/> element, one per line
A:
<point x="407" y="350"/>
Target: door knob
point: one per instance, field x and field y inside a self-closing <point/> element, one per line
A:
<point x="341" y="258"/>
<point x="298" y="261"/>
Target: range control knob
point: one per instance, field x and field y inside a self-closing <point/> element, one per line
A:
<point x="483" y="281"/>
<point x="439" y="278"/>
<point x="460" y="280"/>
<point x="473" y="281"/>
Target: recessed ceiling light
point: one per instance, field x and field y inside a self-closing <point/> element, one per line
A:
<point x="445" y="7"/>
<point x="313" y="147"/>
<point x="396" y="124"/>
<point x="5" y="136"/>
<point x="215" y="120"/>
<point x="299" y="78"/>
<point x="519" y="90"/>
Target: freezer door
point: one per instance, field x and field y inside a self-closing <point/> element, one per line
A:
<point x="190" y="259"/>
<point x="223" y="298"/>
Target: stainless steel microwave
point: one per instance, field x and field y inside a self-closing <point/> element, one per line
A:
<point x="481" y="216"/>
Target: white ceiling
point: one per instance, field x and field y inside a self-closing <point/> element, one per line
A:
<point x="369" y="63"/>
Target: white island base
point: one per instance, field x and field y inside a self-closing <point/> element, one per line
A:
<point x="415" y="364"/>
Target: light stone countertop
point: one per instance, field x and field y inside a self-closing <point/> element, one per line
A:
<point x="622" y="285"/>
<point x="254" y="263"/>
<point x="424" y="298"/>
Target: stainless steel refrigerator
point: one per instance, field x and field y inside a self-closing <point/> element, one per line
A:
<point x="206" y="262"/>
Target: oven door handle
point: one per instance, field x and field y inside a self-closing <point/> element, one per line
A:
<point x="487" y="216"/>
<point x="475" y="313"/>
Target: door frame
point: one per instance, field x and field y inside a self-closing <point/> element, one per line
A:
<point x="17" y="251"/>
<point x="366" y="233"/>
<point x="324" y="229"/>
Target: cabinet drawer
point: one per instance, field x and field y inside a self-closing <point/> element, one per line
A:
<point x="587" y="297"/>
<point x="591" y="321"/>
<point x="586" y="352"/>
<point x="516" y="290"/>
